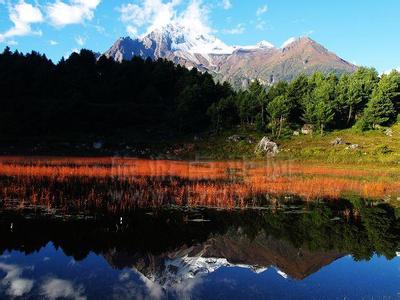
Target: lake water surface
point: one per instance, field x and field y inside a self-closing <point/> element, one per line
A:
<point x="112" y="228"/>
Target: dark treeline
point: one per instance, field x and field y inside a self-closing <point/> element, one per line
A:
<point x="88" y="96"/>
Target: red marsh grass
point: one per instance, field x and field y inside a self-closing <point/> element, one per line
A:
<point x="117" y="184"/>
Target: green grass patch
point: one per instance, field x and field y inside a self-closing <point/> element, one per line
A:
<point x="373" y="147"/>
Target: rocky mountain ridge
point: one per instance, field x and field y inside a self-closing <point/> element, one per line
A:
<point x="236" y="64"/>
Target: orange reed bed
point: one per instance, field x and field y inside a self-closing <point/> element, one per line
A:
<point x="115" y="167"/>
<point x="301" y="169"/>
<point x="124" y="184"/>
<point x="323" y="187"/>
<point x="108" y="166"/>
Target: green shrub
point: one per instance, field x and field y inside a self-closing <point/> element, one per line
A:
<point x="384" y="149"/>
<point x="361" y="125"/>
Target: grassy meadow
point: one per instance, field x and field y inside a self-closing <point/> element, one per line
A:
<point x="374" y="147"/>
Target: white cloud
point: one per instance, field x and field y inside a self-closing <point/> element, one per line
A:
<point x="131" y="30"/>
<point x="262" y="10"/>
<point x="239" y="29"/>
<point x="308" y="33"/>
<point x="154" y="289"/>
<point x="226" y="4"/>
<point x="16" y="286"/>
<point x="154" y="14"/>
<point x="53" y="43"/>
<point x="124" y="276"/>
<point x="55" y="288"/>
<point x="261" y="25"/>
<point x="11" y="42"/>
<point x="99" y="29"/>
<point x="19" y="287"/>
<point x="22" y="15"/>
<point x="195" y="18"/>
<point x="288" y="42"/>
<point x="74" y="12"/>
<point x="80" y="40"/>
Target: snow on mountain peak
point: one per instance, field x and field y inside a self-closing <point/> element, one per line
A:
<point x="185" y="39"/>
<point x="181" y="38"/>
<point x="288" y="42"/>
<point x="265" y="44"/>
<point x="180" y="271"/>
<point x="260" y="45"/>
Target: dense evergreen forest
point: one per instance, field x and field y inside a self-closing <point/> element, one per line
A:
<point x="88" y="96"/>
<point x="362" y="99"/>
<point x="85" y="95"/>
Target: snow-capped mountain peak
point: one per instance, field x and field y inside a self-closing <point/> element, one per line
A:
<point x="179" y="38"/>
<point x="289" y="42"/>
<point x="237" y="64"/>
<point x="186" y="270"/>
<point x="265" y="44"/>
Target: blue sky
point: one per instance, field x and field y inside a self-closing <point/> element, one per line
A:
<point x="365" y="32"/>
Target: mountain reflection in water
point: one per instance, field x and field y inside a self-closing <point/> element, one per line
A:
<point x="173" y="252"/>
<point x="102" y="228"/>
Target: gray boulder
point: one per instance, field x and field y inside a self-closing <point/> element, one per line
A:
<point x="266" y="146"/>
<point x="353" y="147"/>
<point x="235" y="138"/>
<point x="307" y="129"/>
<point x="389" y="132"/>
<point x="337" y="141"/>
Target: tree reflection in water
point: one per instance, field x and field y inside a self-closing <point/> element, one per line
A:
<point x="282" y="235"/>
<point x="174" y="221"/>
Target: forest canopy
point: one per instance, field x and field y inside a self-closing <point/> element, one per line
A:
<point x="86" y="94"/>
<point x="362" y="99"/>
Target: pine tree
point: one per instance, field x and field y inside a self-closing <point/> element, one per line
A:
<point x="323" y="114"/>
<point x="318" y="108"/>
<point x="380" y="109"/>
<point x="360" y="88"/>
<point x="297" y="93"/>
<point x="390" y="85"/>
<point x="279" y="109"/>
<point x="259" y="98"/>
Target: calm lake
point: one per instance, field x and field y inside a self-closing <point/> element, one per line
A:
<point x="114" y="228"/>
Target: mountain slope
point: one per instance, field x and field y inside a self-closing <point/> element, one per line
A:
<point x="238" y="64"/>
<point x="274" y="64"/>
<point x="181" y="266"/>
